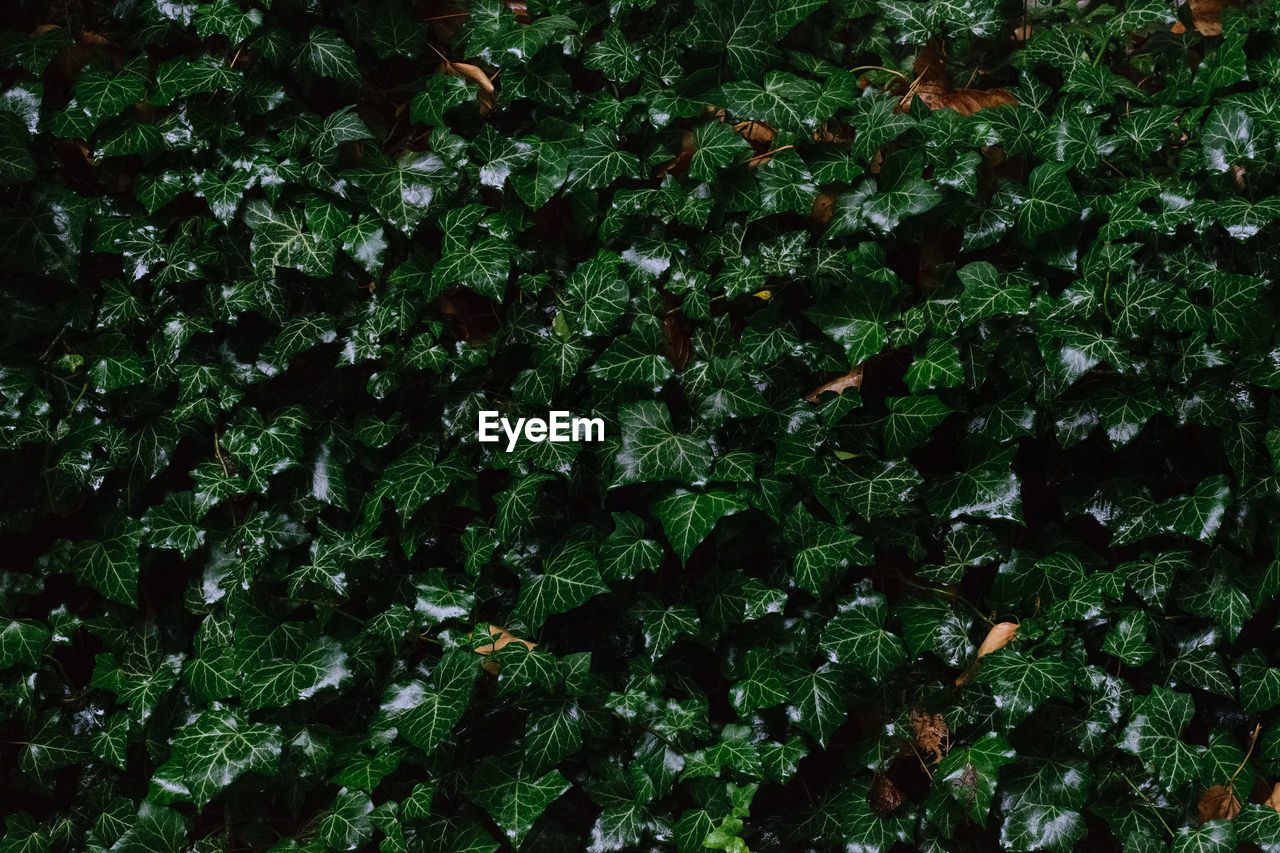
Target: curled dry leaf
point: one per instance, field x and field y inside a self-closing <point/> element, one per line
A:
<point x="1218" y="803"/>
<point x="755" y="132"/>
<point x="475" y="74"/>
<point x="501" y="639"/>
<point x="932" y="734"/>
<point x="1207" y="16"/>
<point x="1274" y="799"/>
<point x="766" y="156"/>
<point x="884" y="796"/>
<point x="997" y="638"/>
<point x="823" y="205"/>
<point x="852" y="379"/>
<point x="679" y="163"/>
<point x="677" y="344"/>
<point x="521" y="10"/>
<point x="840" y="135"/>
<point x="934" y="88"/>
<point x="471" y="72"/>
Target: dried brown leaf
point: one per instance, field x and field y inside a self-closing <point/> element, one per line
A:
<point x="755" y="132"/>
<point x="471" y="72"/>
<point x="521" y="10"/>
<point x="1207" y="16"/>
<point x="501" y="639"/>
<point x="997" y="638"/>
<point x="823" y="205"/>
<point x="852" y="379"/>
<point x="1218" y="803"/>
<point x="1274" y="799"/>
<point x="677" y="343"/>
<point x="884" y="796"/>
<point x="931" y="733"/>
<point x="934" y="88"/>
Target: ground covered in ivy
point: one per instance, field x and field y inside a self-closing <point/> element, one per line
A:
<point x="937" y="348"/>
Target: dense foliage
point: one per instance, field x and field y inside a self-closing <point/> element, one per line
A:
<point x="937" y="347"/>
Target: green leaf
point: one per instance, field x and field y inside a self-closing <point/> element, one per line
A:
<point x="689" y="517"/>
<point x="426" y="715"/>
<point x="484" y="266"/>
<point x="1021" y="684"/>
<point x="652" y="450"/>
<point x="175" y="524"/>
<point x="347" y="826"/>
<point x="969" y="775"/>
<point x="417" y="476"/>
<point x="219" y="747"/>
<point x="1228" y="137"/>
<point x="569" y="578"/>
<point x="625" y="553"/>
<point x="326" y="54"/>
<point x="1153" y="732"/>
<point x="901" y="193"/>
<point x="600" y="292"/>
<point x="403" y="192"/>
<point x="987" y="293"/>
<point x="513" y="799"/>
<point x="939" y="367"/>
<point x="857" y="636"/>
<point x="717" y="146"/>
<point x="22" y="643"/>
<point x="1050" y="202"/>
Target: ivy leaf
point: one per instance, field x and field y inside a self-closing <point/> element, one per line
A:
<point x="22" y="643"/>
<point x="939" y="367"/>
<point x="483" y="266"/>
<point x="969" y="775"/>
<point x="417" y="476"/>
<point x="175" y="524"/>
<point x="1228" y="137"/>
<point x="857" y="636"/>
<point x="219" y="747"/>
<point x="403" y="192"/>
<point x="1050" y="202"/>
<point x="347" y="826"/>
<point x="626" y="552"/>
<point x="600" y="291"/>
<point x="326" y="54"/>
<point x="688" y="517"/>
<point x="515" y="800"/>
<point x="1158" y="720"/>
<point x="716" y="146"/>
<point x="426" y="715"/>
<point x="652" y="450"/>
<point x="1021" y="684"/>
<point x="568" y="578"/>
<point x="988" y="294"/>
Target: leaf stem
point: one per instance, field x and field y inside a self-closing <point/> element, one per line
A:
<point x="897" y="74"/>
<point x="1253" y="741"/>
<point x="957" y="596"/>
<point x="1149" y="802"/>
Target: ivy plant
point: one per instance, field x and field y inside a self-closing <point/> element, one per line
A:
<point x="936" y="350"/>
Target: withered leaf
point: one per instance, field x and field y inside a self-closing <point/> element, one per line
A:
<point x="884" y="796"/>
<point x="501" y="639"/>
<point x="1274" y="799"/>
<point x="934" y="87"/>
<point x="755" y="132"/>
<point x="1218" y="803"/>
<point x="931" y="733"/>
<point x="1207" y="16"/>
<point x="852" y="379"/>
<point x="997" y="638"/>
